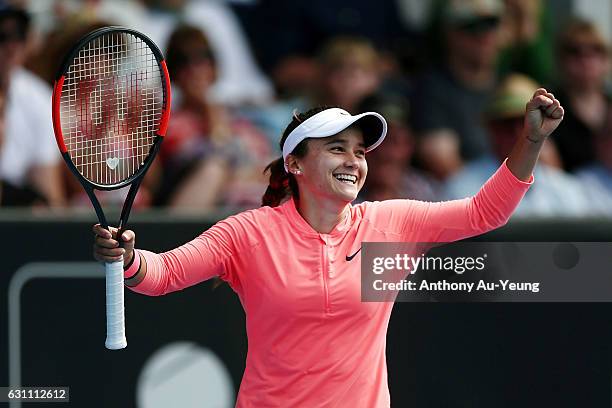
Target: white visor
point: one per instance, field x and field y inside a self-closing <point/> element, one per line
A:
<point x="332" y="121"/>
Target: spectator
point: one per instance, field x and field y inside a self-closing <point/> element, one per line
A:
<point x="390" y="172"/>
<point x="29" y="158"/>
<point x="439" y="152"/>
<point x="9" y="194"/>
<point x="527" y="40"/>
<point x="211" y="156"/>
<point x="556" y="193"/>
<point x="347" y="69"/>
<point x="597" y="175"/>
<point x="349" y="72"/>
<point x="584" y="62"/>
<point x="305" y="25"/>
<point x="239" y="80"/>
<point x="454" y="94"/>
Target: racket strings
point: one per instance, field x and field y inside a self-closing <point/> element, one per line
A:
<point x="111" y="107"/>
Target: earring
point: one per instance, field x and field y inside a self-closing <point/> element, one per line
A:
<point x="297" y="172"/>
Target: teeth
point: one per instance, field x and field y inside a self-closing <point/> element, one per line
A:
<point x="346" y="178"/>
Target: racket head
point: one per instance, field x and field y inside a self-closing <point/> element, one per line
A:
<point x="111" y="106"/>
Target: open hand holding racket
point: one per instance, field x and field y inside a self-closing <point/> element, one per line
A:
<point x="111" y="104"/>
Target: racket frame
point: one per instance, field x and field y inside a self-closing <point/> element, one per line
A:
<point x="115" y="315"/>
<point x="136" y="178"/>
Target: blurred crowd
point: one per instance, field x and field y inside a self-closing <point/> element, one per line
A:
<point x="451" y="77"/>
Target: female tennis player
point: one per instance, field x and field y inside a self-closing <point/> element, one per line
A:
<point x="294" y="262"/>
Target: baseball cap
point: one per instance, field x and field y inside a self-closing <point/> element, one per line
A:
<point x="467" y="12"/>
<point x="334" y="120"/>
<point x="511" y="96"/>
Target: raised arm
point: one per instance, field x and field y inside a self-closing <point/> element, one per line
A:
<point x="449" y="221"/>
<point x="496" y="200"/>
<point x="493" y="205"/>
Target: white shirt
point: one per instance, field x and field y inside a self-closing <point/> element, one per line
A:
<point x="28" y="134"/>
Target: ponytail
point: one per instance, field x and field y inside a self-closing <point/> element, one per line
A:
<point x="282" y="184"/>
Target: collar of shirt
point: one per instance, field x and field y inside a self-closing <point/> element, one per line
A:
<point x="297" y="222"/>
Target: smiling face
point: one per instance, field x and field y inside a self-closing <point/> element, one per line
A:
<point x="334" y="168"/>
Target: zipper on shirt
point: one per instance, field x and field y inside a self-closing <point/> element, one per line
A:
<point x="325" y="271"/>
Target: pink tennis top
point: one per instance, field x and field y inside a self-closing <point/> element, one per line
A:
<point x="311" y="341"/>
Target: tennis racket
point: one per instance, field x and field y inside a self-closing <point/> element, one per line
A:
<point x="111" y="105"/>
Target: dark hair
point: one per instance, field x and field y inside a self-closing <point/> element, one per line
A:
<point x="20" y="15"/>
<point x="575" y="28"/>
<point x="282" y="184"/>
<point x="186" y="43"/>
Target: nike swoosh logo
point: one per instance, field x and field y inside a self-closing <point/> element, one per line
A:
<point x="349" y="258"/>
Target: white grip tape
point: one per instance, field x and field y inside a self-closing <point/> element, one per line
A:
<point x="115" y="317"/>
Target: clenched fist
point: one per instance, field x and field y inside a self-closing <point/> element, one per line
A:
<point x="543" y="114"/>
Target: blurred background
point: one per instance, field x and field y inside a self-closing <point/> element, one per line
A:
<point x="452" y="78"/>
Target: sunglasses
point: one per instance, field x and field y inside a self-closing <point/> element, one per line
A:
<point x="479" y="26"/>
<point x="11" y="36"/>
<point x="581" y="50"/>
<point x="196" y="57"/>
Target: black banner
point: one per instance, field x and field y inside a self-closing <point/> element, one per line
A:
<point x="439" y="354"/>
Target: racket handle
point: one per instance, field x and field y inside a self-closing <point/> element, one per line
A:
<point x="115" y="314"/>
